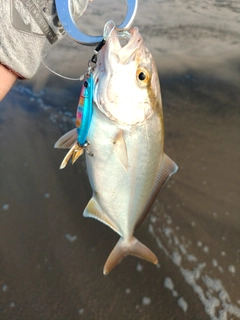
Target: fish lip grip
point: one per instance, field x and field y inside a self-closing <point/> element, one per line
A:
<point x="85" y="110"/>
<point x="66" y="18"/>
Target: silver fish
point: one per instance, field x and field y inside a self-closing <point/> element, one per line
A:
<point x="128" y="166"/>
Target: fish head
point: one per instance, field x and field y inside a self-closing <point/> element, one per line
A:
<point x="127" y="87"/>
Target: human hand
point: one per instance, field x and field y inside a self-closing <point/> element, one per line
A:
<point x="27" y="28"/>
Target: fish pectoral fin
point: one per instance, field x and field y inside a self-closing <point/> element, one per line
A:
<point x="120" y="149"/>
<point x="75" y="152"/>
<point x="67" y="140"/>
<point x="93" y="210"/>
<point x="123" y="248"/>
<point x="167" y="168"/>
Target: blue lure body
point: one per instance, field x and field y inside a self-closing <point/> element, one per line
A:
<point x="84" y="110"/>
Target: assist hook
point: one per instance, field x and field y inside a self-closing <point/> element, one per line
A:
<point x="66" y="19"/>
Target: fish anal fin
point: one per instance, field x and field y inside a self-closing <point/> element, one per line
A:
<point x="167" y="168"/>
<point x="93" y="210"/>
<point x="120" y="149"/>
<point x="124" y="248"/>
<point x="67" y="140"/>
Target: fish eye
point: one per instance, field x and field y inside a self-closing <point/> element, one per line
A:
<point x="143" y="76"/>
<point x="85" y="84"/>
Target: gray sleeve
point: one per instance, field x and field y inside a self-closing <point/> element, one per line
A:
<point x="29" y="29"/>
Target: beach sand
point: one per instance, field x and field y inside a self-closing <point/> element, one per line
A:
<point x="51" y="258"/>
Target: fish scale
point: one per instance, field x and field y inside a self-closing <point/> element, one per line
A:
<point x="105" y="169"/>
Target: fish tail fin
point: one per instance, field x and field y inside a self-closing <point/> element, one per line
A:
<point x="124" y="248"/>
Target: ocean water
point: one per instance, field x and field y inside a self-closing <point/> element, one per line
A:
<point x="51" y="258"/>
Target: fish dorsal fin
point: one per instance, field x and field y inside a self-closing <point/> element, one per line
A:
<point x="93" y="210"/>
<point x="167" y="168"/>
<point x="67" y="140"/>
<point x="120" y="149"/>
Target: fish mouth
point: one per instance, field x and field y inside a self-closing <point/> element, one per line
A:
<point x="119" y="65"/>
<point x="125" y="51"/>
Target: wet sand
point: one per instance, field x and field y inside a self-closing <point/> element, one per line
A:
<point x="51" y="258"/>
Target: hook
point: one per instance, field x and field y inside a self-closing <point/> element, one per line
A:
<point x="66" y="18"/>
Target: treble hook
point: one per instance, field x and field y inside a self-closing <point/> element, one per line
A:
<point x="66" y="19"/>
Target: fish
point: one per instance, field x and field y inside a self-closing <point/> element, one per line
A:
<point x="126" y="163"/>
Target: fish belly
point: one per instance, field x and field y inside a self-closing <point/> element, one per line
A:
<point x="122" y="193"/>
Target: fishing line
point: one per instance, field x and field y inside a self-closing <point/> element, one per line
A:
<point x="47" y="67"/>
<point x="54" y="72"/>
<point x="58" y="74"/>
<point x="107" y="32"/>
<point x="108" y="29"/>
